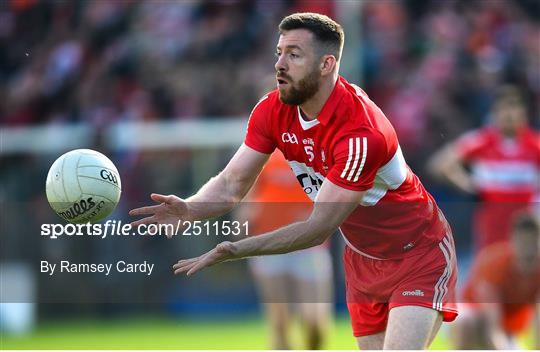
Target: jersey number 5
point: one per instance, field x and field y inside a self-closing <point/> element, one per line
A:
<point x="309" y="152"/>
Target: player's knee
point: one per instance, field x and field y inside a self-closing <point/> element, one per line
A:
<point x="371" y="342"/>
<point x="411" y="327"/>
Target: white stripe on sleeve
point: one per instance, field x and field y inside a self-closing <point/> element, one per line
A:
<point x="348" y="159"/>
<point x="364" y="155"/>
<point x="356" y="157"/>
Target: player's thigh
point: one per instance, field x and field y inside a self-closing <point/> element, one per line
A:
<point x="272" y="280"/>
<point x="316" y="315"/>
<point x="314" y="289"/>
<point x="411" y="327"/>
<point x="311" y="270"/>
<point x="274" y="288"/>
<point x="435" y="331"/>
<point x="278" y="315"/>
<point x="371" y="342"/>
<point x="312" y="277"/>
<point x="275" y="302"/>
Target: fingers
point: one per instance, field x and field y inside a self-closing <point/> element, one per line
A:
<point x="161" y="198"/>
<point x="147" y="220"/>
<point x="191" y="266"/>
<point x="184" y="265"/>
<point x="149" y="210"/>
<point x="201" y="264"/>
<point x="188" y="265"/>
<point x="185" y="262"/>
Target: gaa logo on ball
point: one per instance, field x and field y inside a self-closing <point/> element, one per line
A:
<point x="83" y="186"/>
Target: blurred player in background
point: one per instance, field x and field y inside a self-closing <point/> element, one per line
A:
<point x="504" y="163"/>
<point x="503" y="292"/>
<point x="302" y="279"/>
<point x="400" y="262"/>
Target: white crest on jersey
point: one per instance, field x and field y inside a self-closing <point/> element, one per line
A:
<point x="287" y="137"/>
<point x="354" y="149"/>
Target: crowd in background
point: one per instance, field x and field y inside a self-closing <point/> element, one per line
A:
<point x="431" y="66"/>
<point x="103" y="61"/>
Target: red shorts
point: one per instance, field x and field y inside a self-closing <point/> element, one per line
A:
<point x="375" y="286"/>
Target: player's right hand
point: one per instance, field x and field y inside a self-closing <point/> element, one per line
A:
<point x="170" y="210"/>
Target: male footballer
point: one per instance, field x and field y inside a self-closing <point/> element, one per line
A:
<point x="400" y="262"/>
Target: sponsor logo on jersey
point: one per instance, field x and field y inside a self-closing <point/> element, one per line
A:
<point x="309" y="183"/>
<point x="287" y="137"/>
<point x="308" y="141"/>
<point x="309" y="179"/>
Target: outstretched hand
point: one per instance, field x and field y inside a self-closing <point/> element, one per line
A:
<point x="222" y="252"/>
<point x="169" y="211"/>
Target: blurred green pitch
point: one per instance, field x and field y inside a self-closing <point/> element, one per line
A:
<point x="169" y="333"/>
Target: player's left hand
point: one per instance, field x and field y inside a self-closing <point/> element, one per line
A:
<point x="221" y="253"/>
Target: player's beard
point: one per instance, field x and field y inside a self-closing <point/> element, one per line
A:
<point x="297" y="94"/>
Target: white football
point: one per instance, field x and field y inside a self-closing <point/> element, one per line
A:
<point x="83" y="186"/>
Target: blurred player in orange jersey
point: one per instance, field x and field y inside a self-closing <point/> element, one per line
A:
<point x="504" y="161"/>
<point x="304" y="277"/>
<point x="503" y="291"/>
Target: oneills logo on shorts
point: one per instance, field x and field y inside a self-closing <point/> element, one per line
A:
<point x="289" y="138"/>
<point x="419" y="293"/>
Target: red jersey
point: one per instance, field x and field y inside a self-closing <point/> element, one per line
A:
<point x="354" y="146"/>
<point x="503" y="169"/>
<point x="506" y="173"/>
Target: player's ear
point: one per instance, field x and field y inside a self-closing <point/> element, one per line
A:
<point x="327" y="64"/>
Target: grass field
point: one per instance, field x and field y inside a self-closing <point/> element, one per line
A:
<point x="167" y="333"/>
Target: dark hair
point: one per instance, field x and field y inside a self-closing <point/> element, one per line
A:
<point x="326" y="31"/>
<point x="527" y="222"/>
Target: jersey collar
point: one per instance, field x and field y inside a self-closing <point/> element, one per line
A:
<point x="333" y="101"/>
<point x="306" y="125"/>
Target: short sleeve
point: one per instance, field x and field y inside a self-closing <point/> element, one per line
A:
<point x="258" y="134"/>
<point x="357" y="158"/>
<point x="469" y="145"/>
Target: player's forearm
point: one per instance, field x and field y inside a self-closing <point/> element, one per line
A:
<point x="446" y="165"/>
<point x="216" y="198"/>
<point x="457" y="175"/>
<point x="297" y="236"/>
